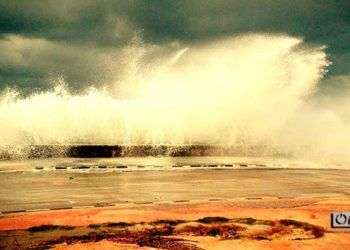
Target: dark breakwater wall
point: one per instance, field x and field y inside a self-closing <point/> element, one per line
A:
<point x="90" y="151"/>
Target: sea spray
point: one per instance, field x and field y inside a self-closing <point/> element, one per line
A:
<point x="241" y="90"/>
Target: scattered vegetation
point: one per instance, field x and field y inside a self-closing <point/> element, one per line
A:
<point x="156" y="233"/>
<point x="44" y="228"/>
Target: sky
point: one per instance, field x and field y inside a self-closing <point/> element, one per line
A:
<point x="75" y="39"/>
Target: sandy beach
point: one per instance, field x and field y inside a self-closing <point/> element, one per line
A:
<point x="225" y="203"/>
<point x="244" y="223"/>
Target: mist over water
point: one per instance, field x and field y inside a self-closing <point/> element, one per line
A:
<point x="249" y="90"/>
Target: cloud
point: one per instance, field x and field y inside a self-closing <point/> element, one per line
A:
<point x="65" y="36"/>
<point x="159" y="20"/>
<point x="75" y="21"/>
<point x="43" y="59"/>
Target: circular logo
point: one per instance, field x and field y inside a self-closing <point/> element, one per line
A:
<point x="340" y="219"/>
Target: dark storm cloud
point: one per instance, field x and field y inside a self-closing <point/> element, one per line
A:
<point x="71" y="37"/>
<point x="67" y="20"/>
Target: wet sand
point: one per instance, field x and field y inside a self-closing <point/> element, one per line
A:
<point x="21" y="191"/>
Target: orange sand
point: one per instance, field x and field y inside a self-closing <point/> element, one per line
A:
<point x="313" y="211"/>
